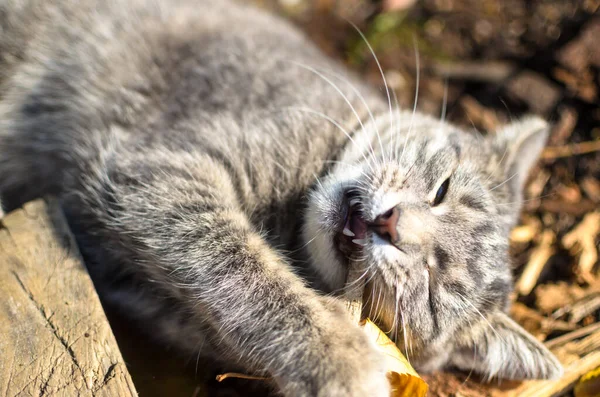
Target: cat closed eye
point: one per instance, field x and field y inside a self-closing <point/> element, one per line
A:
<point x="441" y="193"/>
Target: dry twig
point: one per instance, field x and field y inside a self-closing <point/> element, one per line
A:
<point x="557" y="387"/>
<point x="537" y="261"/>
<point x="571" y="336"/>
<point x="583" y="239"/>
<point x="573" y="149"/>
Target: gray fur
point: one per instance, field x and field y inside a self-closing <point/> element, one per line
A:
<point x="199" y="150"/>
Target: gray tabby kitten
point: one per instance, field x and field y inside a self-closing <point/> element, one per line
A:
<point x="220" y="173"/>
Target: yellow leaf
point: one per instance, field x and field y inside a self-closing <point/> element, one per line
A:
<point x="589" y="384"/>
<point x="403" y="378"/>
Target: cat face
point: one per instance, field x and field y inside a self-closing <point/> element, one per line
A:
<point x="426" y="210"/>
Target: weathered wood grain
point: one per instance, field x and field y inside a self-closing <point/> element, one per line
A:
<point x="54" y="337"/>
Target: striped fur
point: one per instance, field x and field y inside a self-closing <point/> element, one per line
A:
<point x="201" y="151"/>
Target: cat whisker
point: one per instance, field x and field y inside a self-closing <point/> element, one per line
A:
<point x="497" y="165"/>
<point x="444" y="104"/>
<point x="317" y="235"/>
<point x="469" y="322"/>
<point x="357" y="284"/>
<point x="510" y="116"/>
<point x="506" y="180"/>
<point x="405" y="337"/>
<point x="528" y="200"/>
<point x="352" y="166"/>
<point x="416" y="101"/>
<point x="395" y="322"/>
<point x="406" y="330"/>
<point x="318" y="180"/>
<point x="198" y="357"/>
<point x="478" y="133"/>
<point x="361" y="187"/>
<point x="344" y="97"/>
<point x="387" y="90"/>
<point x="397" y="131"/>
<point x="335" y="123"/>
<point x="355" y="90"/>
<point x="377" y="312"/>
<point x="465" y="300"/>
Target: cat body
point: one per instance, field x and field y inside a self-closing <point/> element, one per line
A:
<point x="219" y="174"/>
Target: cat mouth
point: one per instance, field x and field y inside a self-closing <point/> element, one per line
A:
<point x="352" y="237"/>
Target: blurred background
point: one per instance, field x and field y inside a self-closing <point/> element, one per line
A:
<point x="483" y="62"/>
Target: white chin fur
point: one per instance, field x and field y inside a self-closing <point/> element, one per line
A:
<point x="383" y="252"/>
<point x="320" y="245"/>
<point x="324" y="204"/>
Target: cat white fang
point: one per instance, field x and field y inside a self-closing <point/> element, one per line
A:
<point x="348" y="232"/>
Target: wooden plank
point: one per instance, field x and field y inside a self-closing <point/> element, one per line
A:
<point x="54" y="337"/>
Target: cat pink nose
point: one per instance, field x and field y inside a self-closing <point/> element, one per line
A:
<point x="385" y="225"/>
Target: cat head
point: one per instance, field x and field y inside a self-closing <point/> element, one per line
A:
<point x="426" y="209"/>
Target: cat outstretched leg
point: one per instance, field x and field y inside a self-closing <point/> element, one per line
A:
<point x="203" y="255"/>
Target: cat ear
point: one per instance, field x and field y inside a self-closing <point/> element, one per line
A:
<point x="502" y="349"/>
<point x="518" y="146"/>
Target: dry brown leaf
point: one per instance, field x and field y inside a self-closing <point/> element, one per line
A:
<point x="403" y="378"/>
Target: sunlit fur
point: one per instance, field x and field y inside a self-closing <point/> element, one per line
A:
<point x="447" y="280"/>
<point x="200" y="151"/>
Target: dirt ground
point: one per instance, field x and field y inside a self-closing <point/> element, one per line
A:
<point x="485" y="62"/>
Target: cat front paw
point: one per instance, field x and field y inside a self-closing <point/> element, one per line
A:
<point x="348" y="366"/>
<point x="343" y="362"/>
<point x="356" y="369"/>
<point x="362" y="382"/>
